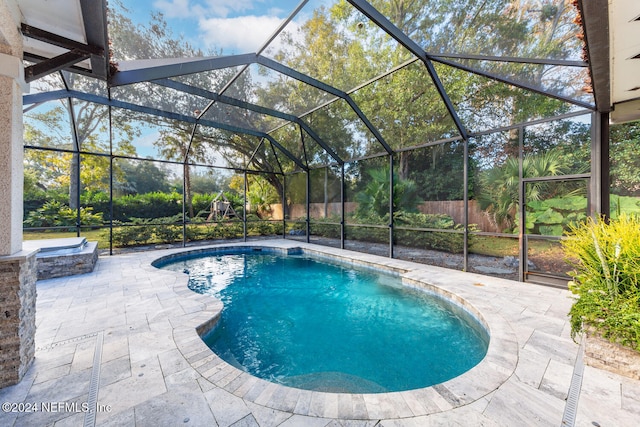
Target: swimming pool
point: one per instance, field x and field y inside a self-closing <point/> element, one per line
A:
<point x="333" y="327"/>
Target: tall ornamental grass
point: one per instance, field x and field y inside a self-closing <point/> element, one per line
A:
<point x="606" y="262"/>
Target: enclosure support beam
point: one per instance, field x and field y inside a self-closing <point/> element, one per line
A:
<point x="342" y="216"/>
<point x="465" y="196"/>
<point x="223" y="99"/>
<point x="244" y="210"/>
<point x="44" y="68"/>
<point x="376" y="133"/>
<point x="600" y="175"/>
<point x="144" y="70"/>
<point x="511" y="59"/>
<point x="512" y="82"/>
<point x="74" y="188"/>
<point x="284" y="206"/>
<point x="111" y="159"/>
<point x="276" y="66"/>
<point x="185" y="166"/>
<point x="28" y="99"/>
<point x="387" y="26"/>
<point x="522" y="237"/>
<point x="391" y="205"/>
<point x="308" y="202"/>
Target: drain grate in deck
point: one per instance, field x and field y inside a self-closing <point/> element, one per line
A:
<point x="571" y="407"/>
<point x="92" y="400"/>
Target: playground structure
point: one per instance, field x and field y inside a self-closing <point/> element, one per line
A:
<point x="220" y="208"/>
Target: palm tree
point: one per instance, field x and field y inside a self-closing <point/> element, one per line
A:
<point x="498" y="193"/>
<point x="374" y="198"/>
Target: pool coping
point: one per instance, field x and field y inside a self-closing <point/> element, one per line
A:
<point x="487" y="376"/>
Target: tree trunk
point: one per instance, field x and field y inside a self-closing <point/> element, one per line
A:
<point x="326" y="191"/>
<point x="403" y="165"/>
<point x="187" y="190"/>
<point x="275" y="182"/>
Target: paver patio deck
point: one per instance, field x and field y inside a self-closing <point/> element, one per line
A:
<point x="151" y="368"/>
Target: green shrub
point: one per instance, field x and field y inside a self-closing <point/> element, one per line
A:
<point x="196" y="230"/>
<point x="98" y="200"/>
<point x="211" y="232"/>
<point x="168" y="230"/>
<point x="606" y="259"/>
<point x="320" y="228"/>
<point x="130" y="235"/>
<point x="448" y="242"/>
<point x="258" y="227"/>
<point x="148" y="205"/>
<point x="231" y="229"/>
<point x="367" y="234"/>
<point x="55" y="214"/>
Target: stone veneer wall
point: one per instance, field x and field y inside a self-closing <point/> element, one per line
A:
<point x="17" y="316"/>
<point x="50" y="266"/>
<point x="604" y="354"/>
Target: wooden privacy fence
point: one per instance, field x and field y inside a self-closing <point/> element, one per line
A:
<point x="453" y="208"/>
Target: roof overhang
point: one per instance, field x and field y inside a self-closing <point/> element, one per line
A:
<point x="624" y="24"/>
<point x="611" y="33"/>
<point x="65" y="34"/>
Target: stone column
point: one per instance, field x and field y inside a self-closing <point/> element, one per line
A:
<point x="17" y="316"/>
<point x="17" y="267"/>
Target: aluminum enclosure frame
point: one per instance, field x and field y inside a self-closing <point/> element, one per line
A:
<point x="162" y="71"/>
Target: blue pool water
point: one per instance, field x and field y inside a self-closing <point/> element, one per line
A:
<point x="311" y="324"/>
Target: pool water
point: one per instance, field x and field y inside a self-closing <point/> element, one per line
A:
<point x="312" y="324"/>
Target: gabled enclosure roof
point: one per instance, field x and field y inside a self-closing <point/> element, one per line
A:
<point x="213" y="92"/>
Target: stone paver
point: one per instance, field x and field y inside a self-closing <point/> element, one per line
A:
<point x="156" y="371"/>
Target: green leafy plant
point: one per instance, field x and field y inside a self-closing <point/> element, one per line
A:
<point x="258" y="227"/>
<point x="498" y="191"/>
<point x="135" y="233"/>
<point x="374" y="198"/>
<point x="169" y="229"/>
<point x="606" y="261"/>
<point x="552" y="217"/>
<point x="444" y="241"/>
<point x="55" y="214"/>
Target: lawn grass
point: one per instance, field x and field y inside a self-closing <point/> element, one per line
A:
<point x="494" y="246"/>
<point x="100" y="236"/>
<point x="624" y="204"/>
<point x="482" y="245"/>
<point x="507" y="246"/>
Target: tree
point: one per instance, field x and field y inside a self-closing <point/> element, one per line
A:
<point x="498" y="188"/>
<point x="60" y="169"/>
<point x="181" y="141"/>
<point x="143" y="177"/>
<point x="625" y="159"/>
<point x="209" y="181"/>
<point x="260" y="193"/>
<point x="339" y="46"/>
<point x="374" y="198"/>
<point x="76" y="126"/>
<point x="439" y="171"/>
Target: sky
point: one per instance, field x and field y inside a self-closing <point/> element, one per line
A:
<point x="235" y="26"/>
